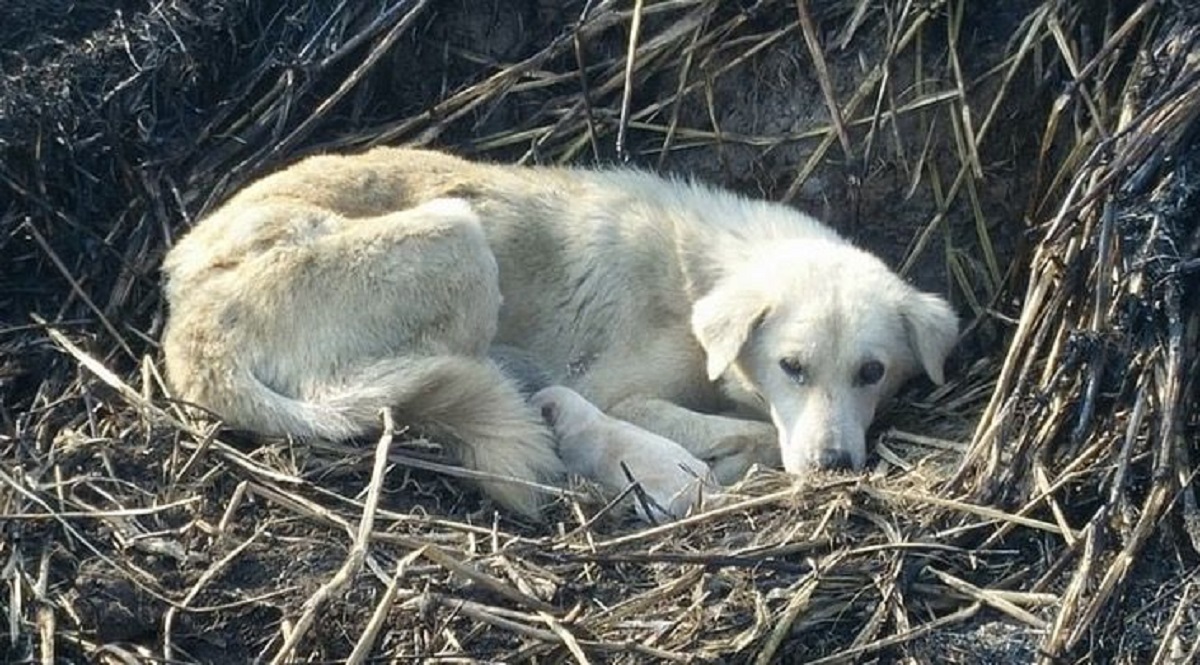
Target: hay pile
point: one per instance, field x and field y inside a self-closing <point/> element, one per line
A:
<point x="1037" y="160"/>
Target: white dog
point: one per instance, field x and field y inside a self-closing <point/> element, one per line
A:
<point x="743" y="330"/>
<point x="613" y="453"/>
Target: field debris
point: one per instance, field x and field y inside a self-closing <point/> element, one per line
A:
<point x="1037" y="160"/>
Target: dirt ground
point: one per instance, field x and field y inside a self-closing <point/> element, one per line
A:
<point x="134" y="536"/>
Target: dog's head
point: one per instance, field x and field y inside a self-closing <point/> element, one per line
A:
<point x="820" y="333"/>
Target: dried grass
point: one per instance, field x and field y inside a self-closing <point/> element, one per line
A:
<point x="1065" y="528"/>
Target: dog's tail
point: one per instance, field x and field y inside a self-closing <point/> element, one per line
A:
<point x="491" y="427"/>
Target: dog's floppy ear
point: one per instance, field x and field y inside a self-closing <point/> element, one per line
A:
<point x="932" y="329"/>
<point x="722" y="321"/>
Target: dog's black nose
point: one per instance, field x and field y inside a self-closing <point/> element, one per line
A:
<point x="834" y="460"/>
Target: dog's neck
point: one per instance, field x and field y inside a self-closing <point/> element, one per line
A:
<point x="708" y="252"/>
<point x="732" y="231"/>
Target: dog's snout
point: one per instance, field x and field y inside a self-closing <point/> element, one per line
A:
<point x="834" y="460"/>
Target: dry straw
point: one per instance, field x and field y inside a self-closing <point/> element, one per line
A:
<point x="1040" y="507"/>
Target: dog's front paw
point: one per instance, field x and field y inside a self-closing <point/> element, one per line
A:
<point x="736" y="454"/>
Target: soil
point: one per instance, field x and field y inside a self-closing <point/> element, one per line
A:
<point x="67" y="66"/>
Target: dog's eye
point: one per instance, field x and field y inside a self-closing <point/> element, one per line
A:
<point x="794" y="369"/>
<point x="870" y="373"/>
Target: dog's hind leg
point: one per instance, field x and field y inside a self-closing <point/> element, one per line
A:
<point x="288" y="319"/>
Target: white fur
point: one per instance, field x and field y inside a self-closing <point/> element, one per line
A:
<point x="601" y="448"/>
<point x="346" y="284"/>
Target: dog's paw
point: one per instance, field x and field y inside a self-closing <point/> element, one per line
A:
<point x="737" y="454"/>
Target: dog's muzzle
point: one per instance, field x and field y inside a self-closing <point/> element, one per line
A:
<point x="835" y="460"/>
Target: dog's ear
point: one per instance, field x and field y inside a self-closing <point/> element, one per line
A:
<point x="722" y="321"/>
<point x="932" y="329"/>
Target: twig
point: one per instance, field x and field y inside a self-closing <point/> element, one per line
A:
<point x="713" y="514"/>
<point x="205" y="578"/>
<point x="78" y="290"/>
<point x="796" y="604"/>
<point x="383" y="608"/>
<point x="809" y="29"/>
<point x="988" y="597"/>
<point x="484" y="614"/>
<point x="358" y="551"/>
<point x="982" y="511"/>
<point x="378" y="50"/>
<point x="567" y="638"/>
<point x="900" y="638"/>
<point x="440" y="557"/>
<point x="635" y="29"/>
